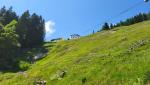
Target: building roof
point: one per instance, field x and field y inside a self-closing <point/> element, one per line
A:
<point x="75" y="35"/>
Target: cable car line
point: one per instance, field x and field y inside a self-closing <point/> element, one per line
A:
<point x="121" y="13"/>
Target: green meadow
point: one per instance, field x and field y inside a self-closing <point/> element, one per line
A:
<point x="120" y="56"/>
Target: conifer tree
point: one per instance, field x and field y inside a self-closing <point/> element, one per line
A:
<point x="111" y="26"/>
<point x="7" y="15"/>
<point x="105" y="26"/>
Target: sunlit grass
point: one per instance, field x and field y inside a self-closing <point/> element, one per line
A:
<point x="100" y="59"/>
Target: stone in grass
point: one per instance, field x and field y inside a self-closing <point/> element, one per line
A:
<point x="59" y="75"/>
<point x="136" y="45"/>
<point x="41" y="82"/>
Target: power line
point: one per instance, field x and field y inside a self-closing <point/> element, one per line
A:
<point x="126" y="10"/>
<point x="117" y="15"/>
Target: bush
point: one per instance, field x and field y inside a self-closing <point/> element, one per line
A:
<point x="24" y="65"/>
<point x="146" y="77"/>
<point x="84" y="79"/>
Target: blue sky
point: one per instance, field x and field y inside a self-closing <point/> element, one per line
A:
<point x="66" y="17"/>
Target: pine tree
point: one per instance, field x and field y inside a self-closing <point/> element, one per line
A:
<point x="37" y="29"/>
<point x="145" y="17"/>
<point x="7" y="15"/>
<point x="105" y="26"/>
<point x="22" y="28"/>
<point x="31" y="29"/>
<point x="111" y="26"/>
<point x="93" y="32"/>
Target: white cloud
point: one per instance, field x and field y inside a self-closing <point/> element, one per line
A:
<point x="49" y="27"/>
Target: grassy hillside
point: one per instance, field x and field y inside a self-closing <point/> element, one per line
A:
<point x="116" y="57"/>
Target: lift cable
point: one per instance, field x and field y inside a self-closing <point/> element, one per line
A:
<point x="119" y="14"/>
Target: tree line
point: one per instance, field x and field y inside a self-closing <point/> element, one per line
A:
<point x="17" y="33"/>
<point x="135" y="19"/>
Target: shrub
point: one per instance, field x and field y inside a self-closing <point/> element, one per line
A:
<point x="24" y="65"/>
<point x="146" y="77"/>
<point x="84" y="79"/>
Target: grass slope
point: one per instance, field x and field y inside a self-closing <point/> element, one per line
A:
<point x="116" y="57"/>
